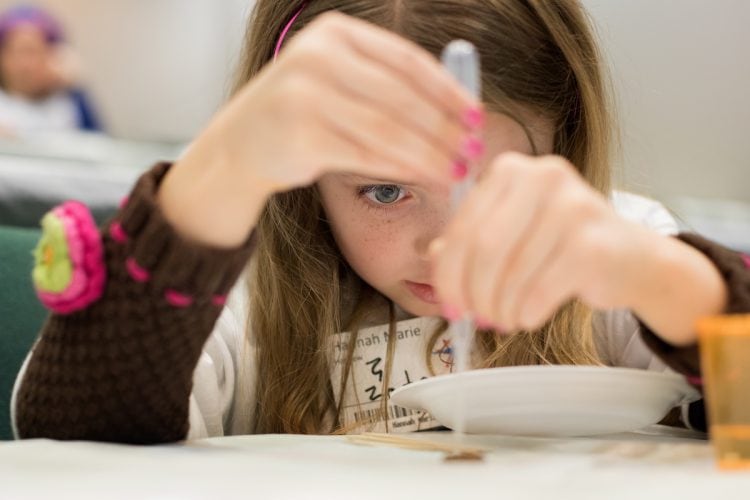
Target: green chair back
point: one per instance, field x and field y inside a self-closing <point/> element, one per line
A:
<point x="21" y="314"/>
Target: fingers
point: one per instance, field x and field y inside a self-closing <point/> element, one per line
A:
<point x="496" y="254"/>
<point x="483" y="235"/>
<point x="353" y="97"/>
<point x="551" y="288"/>
<point x="450" y="257"/>
<point x="525" y="266"/>
<point x="511" y="255"/>
<point x="415" y="103"/>
<point x="372" y="144"/>
<point x="404" y="58"/>
<point x="457" y="267"/>
<point x="374" y="86"/>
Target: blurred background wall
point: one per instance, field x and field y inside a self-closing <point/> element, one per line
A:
<point x="682" y="75"/>
<point x="159" y="69"/>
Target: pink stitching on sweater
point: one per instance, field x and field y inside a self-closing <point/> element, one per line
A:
<point x="136" y="272"/>
<point x="177" y="299"/>
<point x="118" y="233"/>
<point x="219" y="300"/>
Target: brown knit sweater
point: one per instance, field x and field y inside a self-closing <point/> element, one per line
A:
<point x="121" y="370"/>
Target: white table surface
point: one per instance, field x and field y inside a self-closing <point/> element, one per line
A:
<point x="650" y="464"/>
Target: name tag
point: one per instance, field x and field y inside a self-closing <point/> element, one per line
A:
<point x="362" y="409"/>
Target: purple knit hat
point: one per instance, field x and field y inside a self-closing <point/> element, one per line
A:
<point x="26" y="14"/>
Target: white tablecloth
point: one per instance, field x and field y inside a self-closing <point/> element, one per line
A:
<point x="637" y="466"/>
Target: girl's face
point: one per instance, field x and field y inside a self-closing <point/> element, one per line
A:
<point x="24" y="61"/>
<point x="384" y="229"/>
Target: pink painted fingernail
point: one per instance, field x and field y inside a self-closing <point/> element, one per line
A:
<point x="474" y="118"/>
<point x="746" y="260"/>
<point x="473" y="148"/>
<point x="451" y="313"/>
<point x="460" y="169"/>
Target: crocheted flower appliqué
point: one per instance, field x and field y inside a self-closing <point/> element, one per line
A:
<point x="69" y="272"/>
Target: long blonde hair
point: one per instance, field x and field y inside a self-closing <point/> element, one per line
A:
<point x="538" y="54"/>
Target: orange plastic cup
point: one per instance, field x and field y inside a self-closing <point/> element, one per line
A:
<point x="725" y="360"/>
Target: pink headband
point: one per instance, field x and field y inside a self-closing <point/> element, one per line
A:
<point x="286" y="30"/>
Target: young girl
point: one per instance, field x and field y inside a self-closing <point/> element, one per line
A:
<point x="38" y="92"/>
<point x="331" y="168"/>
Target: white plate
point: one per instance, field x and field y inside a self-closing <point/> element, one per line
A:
<point x="548" y="400"/>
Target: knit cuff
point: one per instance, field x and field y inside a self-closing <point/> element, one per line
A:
<point x="156" y="253"/>
<point x="734" y="268"/>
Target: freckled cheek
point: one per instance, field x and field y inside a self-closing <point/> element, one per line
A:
<point x="376" y="251"/>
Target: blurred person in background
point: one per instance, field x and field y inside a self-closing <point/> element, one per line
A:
<point x="39" y="90"/>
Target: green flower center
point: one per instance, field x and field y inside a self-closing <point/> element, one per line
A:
<point x="53" y="270"/>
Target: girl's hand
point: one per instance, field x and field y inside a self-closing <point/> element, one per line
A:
<point x="531" y="236"/>
<point x="347" y="96"/>
<point x="343" y="96"/>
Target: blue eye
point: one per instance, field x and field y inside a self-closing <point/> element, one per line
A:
<point x="384" y="194"/>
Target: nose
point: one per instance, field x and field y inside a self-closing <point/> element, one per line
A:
<point x="430" y="227"/>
